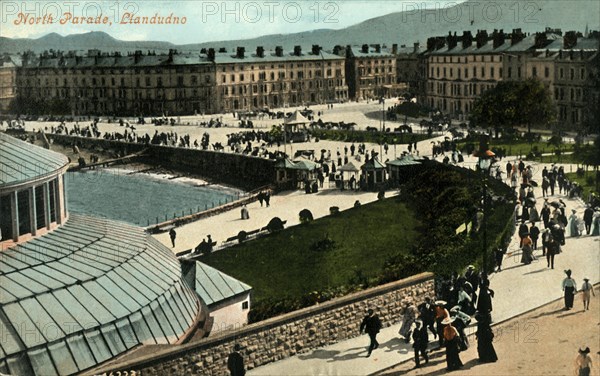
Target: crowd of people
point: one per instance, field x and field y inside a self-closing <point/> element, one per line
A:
<point x="462" y="298"/>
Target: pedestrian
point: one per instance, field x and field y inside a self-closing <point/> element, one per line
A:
<point x="485" y="337"/>
<point x="545" y="214"/>
<point x="420" y="342"/>
<point x="371" y="325"/>
<point x="244" y="212"/>
<point x="499" y="255"/>
<point x="427" y="315"/>
<point x="526" y="250"/>
<point x="461" y="322"/>
<point x="588" y="215"/>
<point x="172" y="235"/>
<point x="583" y="362"/>
<point x="484" y="302"/>
<point x="534" y="233"/>
<point x="235" y="362"/>
<point x="574" y="224"/>
<point x="451" y="338"/>
<point x="545" y="186"/>
<point x="261" y="197"/>
<point x="587" y="289"/>
<point x="409" y="312"/>
<point x="552" y="249"/>
<point x="441" y="314"/>
<point x="209" y="244"/>
<point x="267" y="198"/>
<point x="569" y="287"/>
<point x="523" y="232"/>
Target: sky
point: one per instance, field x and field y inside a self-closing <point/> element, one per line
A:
<point x="199" y="20"/>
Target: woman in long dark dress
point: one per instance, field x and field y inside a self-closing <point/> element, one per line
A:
<point x="485" y="336"/>
<point x="451" y="338"/>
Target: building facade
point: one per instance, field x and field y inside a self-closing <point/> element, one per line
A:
<point x="8" y="82"/>
<point x="177" y="84"/>
<point x="459" y="69"/>
<point x="370" y="71"/>
<point x="251" y="81"/>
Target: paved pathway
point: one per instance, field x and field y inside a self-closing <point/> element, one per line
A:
<point x="519" y="288"/>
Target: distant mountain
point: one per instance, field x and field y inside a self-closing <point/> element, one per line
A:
<point x="400" y="27"/>
<point x="79" y="42"/>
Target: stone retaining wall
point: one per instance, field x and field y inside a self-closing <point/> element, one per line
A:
<point x="284" y="336"/>
<point x="239" y="170"/>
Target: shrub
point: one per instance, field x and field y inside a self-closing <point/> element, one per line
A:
<point x="323" y="245"/>
<point x="305" y="216"/>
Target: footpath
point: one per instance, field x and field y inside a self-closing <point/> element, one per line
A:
<point x="518" y="289"/>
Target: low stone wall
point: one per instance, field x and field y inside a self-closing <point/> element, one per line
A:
<point x="284" y="336"/>
<point x="239" y="170"/>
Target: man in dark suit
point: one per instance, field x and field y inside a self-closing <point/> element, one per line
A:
<point x="371" y="325"/>
<point x="588" y="216"/>
<point x="235" y="362"/>
<point x="420" y="342"/>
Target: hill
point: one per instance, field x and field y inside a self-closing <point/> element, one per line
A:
<point x="399" y="27"/>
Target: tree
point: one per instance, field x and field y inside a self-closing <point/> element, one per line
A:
<point x="513" y="103"/>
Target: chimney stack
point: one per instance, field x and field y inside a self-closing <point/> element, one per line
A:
<point x="211" y="54"/>
<point x="416" y="47"/>
<point x="337" y="49"/>
<point x="298" y="50"/>
<point x="452" y="40"/>
<point x="378" y="48"/>
<point x="222" y="50"/>
<point x="481" y="38"/>
<point x="316" y="49"/>
<point x="395" y="48"/>
<point x="570" y="40"/>
<point x="498" y="38"/>
<point x="260" y="51"/>
<point x="279" y="51"/>
<point x="516" y="36"/>
<point x="541" y="40"/>
<point x="241" y="51"/>
<point x="365" y="49"/>
<point x="467" y="39"/>
<point x="137" y="56"/>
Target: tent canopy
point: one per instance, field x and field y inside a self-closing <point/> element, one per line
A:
<point x="351" y="166"/>
<point x="304" y="165"/>
<point x="296" y="119"/>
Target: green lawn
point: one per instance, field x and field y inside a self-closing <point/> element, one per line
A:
<point x="283" y="265"/>
<point x="522" y="148"/>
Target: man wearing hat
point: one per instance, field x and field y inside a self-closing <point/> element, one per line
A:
<point x="461" y="321"/>
<point x="569" y="286"/>
<point x="583" y="362"/>
<point x="420" y="342"/>
<point x="371" y="325"/>
<point x="235" y="362"/>
<point x="586" y="290"/>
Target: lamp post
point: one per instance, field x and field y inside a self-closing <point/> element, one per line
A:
<point x="484" y="163"/>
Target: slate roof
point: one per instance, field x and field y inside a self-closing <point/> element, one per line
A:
<point x="21" y="161"/>
<point x="269" y="56"/>
<point x="357" y="52"/>
<point x="85" y="293"/>
<point x="407" y="160"/>
<point x="214" y="286"/>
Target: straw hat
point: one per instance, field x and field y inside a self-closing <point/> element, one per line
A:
<point x="440" y="302"/>
<point x="448" y="320"/>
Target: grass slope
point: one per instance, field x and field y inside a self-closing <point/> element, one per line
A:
<point x="284" y="265"/>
